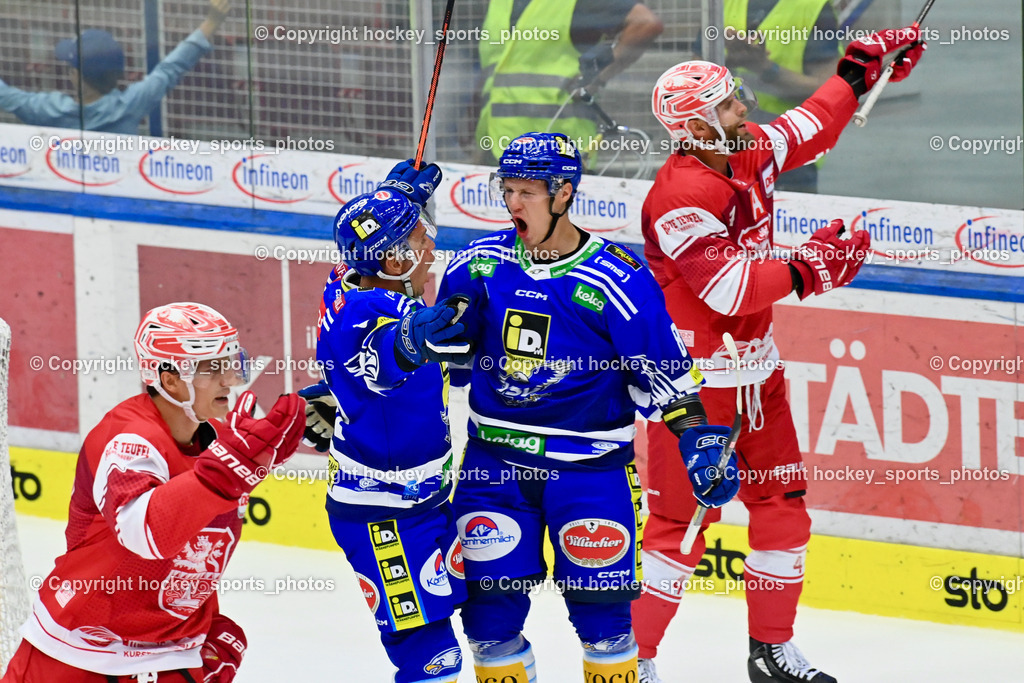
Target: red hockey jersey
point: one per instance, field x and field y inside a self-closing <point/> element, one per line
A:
<point x="146" y="545"/>
<point x="708" y="237"/>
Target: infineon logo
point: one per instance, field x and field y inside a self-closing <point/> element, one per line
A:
<point x="521" y="441"/>
<point x="594" y="542"/>
<point x="175" y="174"/>
<point x="588" y="297"/>
<point x="471" y="196"/>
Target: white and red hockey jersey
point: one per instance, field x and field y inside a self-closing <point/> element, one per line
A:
<point x="708" y="238"/>
<point x="146" y="545"/>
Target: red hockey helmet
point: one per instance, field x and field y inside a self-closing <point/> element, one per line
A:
<point x="692" y="90"/>
<point x="181" y="335"/>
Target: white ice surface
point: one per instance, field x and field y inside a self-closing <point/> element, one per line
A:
<point x="329" y="636"/>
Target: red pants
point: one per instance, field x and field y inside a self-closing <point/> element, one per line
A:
<point x="772" y="479"/>
<point x="29" y="665"/>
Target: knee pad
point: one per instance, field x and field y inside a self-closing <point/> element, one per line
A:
<point x="600" y="622"/>
<point x="507" y="662"/>
<point x="495" y="617"/>
<point x="427" y="653"/>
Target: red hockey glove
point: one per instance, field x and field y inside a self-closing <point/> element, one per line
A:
<point x="826" y="261"/>
<point x="243" y="453"/>
<point x="223" y="650"/>
<point x="862" y="65"/>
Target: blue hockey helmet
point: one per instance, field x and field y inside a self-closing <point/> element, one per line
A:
<point x="375" y="224"/>
<point x="539" y="156"/>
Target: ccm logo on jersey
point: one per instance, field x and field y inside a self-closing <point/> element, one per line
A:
<point x="530" y="294"/>
<point x="226" y="456"/>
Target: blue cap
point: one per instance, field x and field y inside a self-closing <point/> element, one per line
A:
<point x="100" y="54"/>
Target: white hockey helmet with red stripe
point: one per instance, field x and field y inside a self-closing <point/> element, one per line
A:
<point x="692" y="90"/>
<point x="180" y="335"/>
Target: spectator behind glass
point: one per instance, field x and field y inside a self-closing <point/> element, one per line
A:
<point x="96" y="60"/>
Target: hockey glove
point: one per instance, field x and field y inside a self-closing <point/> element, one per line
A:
<point x="431" y="334"/>
<point x="243" y="453"/>
<point x="416" y="184"/>
<point x="701" y="447"/>
<point x="223" y="650"/>
<point x="862" y="65"/>
<point x="321" y="409"/>
<point x="826" y="261"/>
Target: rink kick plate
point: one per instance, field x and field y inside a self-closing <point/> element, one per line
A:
<point x="887" y="579"/>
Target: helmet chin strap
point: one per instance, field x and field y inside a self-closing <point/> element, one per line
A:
<point x="405" y="277"/>
<point x="184" y="405"/>
<point x="555" y="217"/>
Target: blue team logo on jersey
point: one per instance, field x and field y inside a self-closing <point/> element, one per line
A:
<point x="488" y="535"/>
<point x="543" y="377"/>
<point x="443" y="661"/>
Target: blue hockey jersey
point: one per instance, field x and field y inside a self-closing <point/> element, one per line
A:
<point x="566" y="351"/>
<point x="392" y="447"/>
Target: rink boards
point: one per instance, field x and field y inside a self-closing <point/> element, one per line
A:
<point x="887" y="579"/>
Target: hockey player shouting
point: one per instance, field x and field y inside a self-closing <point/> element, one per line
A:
<point x="156" y="512"/>
<point x="383" y="414"/>
<point x="572" y="338"/>
<point x="707" y="225"/>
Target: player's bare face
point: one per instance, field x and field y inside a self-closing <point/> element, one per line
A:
<point x="212" y="384"/>
<point x="421" y="242"/>
<point x="732" y="116"/>
<point x="527" y="201"/>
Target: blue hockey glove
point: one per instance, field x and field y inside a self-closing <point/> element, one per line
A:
<point x="321" y="409"/>
<point x="431" y="334"/>
<point x="416" y="184"/>
<point x="701" y="447"/>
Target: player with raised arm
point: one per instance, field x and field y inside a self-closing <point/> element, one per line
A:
<point x="707" y="225"/>
<point x="382" y="412"/>
<point x="572" y="338"/>
<point x="156" y="511"/>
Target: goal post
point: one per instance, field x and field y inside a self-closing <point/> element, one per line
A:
<point x="14" y="594"/>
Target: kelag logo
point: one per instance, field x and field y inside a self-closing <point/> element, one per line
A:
<point x="266" y="177"/>
<point x="169" y="172"/>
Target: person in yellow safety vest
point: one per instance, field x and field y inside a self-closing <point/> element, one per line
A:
<point x="784" y="50"/>
<point x="531" y="54"/>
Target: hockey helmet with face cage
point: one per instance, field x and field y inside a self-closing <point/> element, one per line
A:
<point x="374" y="224"/>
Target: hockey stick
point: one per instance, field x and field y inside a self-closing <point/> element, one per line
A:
<point x="433" y="83"/>
<point x="698" y="515"/>
<point x="861" y="117"/>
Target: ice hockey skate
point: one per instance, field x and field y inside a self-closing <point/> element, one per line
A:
<point x="648" y="674"/>
<point x="783" y="662"/>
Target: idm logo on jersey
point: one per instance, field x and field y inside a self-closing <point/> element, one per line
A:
<point x="488" y="535"/>
<point x="434" y="575"/>
<point x="525" y="337"/>
<point x="393" y="569"/>
<point x="594" y="542"/>
<point x="369" y="591"/>
<point x="384" y="536"/>
<point x="441" y="662"/>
